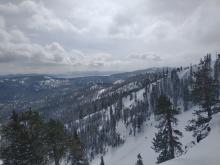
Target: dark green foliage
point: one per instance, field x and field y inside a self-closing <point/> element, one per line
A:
<point x="175" y="86"/>
<point x="56" y="140"/>
<point x="204" y="93"/>
<point x="28" y="140"/>
<point x="24" y="140"/>
<point x="217" y="74"/>
<point x="76" y="151"/>
<point x="139" y="161"/>
<point x="166" y="141"/>
<point x="102" y="161"/>
<point x="204" y="87"/>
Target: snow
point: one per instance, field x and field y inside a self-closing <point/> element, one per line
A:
<point x="128" y="87"/>
<point x="1" y="162"/>
<point x="142" y="143"/>
<point x="129" y="103"/>
<point x="118" y="81"/>
<point x="183" y="74"/>
<point x="100" y="92"/>
<point x="204" y="153"/>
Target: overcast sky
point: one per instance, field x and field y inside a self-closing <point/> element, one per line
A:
<point x="58" y="36"/>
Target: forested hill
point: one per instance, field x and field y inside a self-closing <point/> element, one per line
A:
<point x="108" y="111"/>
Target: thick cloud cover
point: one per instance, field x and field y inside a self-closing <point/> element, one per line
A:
<point x="70" y="35"/>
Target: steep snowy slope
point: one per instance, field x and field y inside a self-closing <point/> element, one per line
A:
<point x="204" y="153"/>
<point x="127" y="153"/>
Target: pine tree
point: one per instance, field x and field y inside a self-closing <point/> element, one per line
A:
<point x="29" y="140"/>
<point x="166" y="141"/>
<point x="204" y="94"/>
<point x="76" y="150"/>
<point x="56" y="140"/>
<point x="139" y="161"/>
<point x="186" y="95"/>
<point x="204" y="87"/>
<point x="23" y="140"/>
<point x="102" y="161"/>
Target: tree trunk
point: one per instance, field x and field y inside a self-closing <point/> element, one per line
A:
<point x="57" y="161"/>
<point x="171" y="142"/>
<point x="209" y="109"/>
<point x="56" y="158"/>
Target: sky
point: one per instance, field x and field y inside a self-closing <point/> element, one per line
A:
<point x="63" y="36"/>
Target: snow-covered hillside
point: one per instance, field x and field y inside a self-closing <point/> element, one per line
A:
<point x="142" y="143"/>
<point x="118" y="121"/>
<point x="204" y="153"/>
<point x="126" y="154"/>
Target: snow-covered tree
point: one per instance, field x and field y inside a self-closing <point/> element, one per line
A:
<point x="166" y="141"/>
<point x="139" y="161"/>
<point x="204" y="87"/>
<point x="204" y="93"/>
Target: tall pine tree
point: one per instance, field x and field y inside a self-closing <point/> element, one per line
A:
<point x="166" y="141"/>
<point x="204" y="94"/>
<point x="56" y="140"/>
<point x="76" y="150"/>
<point x="204" y="87"/>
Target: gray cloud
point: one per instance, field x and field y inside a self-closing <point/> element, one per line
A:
<point x="91" y="34"/>
<point x="150" y="56"/>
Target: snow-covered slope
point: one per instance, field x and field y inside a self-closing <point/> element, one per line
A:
<point x="204" y="153"/>
<point x="127" y="153"/>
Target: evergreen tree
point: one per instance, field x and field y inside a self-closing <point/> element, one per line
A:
<point x="139" y="161"/>
<point x="217" y="75"/>
<point x="28" y="140"/>
<point x="166" y="141"/>
<point x="102" y="161"/>
<point x="76" y="150"/>
<point x="23" y="140"/>
<point x="204" y="87"/>
<point x="56" y="140"/>
<point x="204" y="94"/>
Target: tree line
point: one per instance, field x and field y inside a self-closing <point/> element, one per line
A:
<point x="29" y="139"/>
